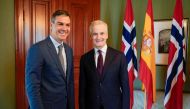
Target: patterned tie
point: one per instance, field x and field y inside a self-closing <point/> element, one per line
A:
<point x="60" y="54"/>
<point x="100" y="63"/>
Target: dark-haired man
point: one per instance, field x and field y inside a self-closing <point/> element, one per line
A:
<point x="49" y="68"/>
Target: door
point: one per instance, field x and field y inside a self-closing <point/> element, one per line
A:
<point x="32" y="24"/>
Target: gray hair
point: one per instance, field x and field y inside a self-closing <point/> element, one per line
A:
<point x="97" y="22"/>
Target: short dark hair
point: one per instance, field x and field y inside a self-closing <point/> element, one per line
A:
<point x="59" y="13"/>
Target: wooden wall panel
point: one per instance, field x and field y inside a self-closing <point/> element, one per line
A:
<point x="41" y="20"/>
<point x="78" y="39"/>
<point x="32" y="24"/>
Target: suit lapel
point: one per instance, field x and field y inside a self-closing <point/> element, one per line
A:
<point x="54" y="55"/>
<point x="108" y="60"/>
<point x="69" y="60"/>
<point x="91" y="61"/>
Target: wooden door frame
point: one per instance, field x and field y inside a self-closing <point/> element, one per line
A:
<point x="20" y="53"/>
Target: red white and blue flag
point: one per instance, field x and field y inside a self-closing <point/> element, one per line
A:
<point x="129" y="47"/>
<point x="176" y="70"/>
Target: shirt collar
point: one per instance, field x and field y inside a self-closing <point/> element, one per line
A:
<point x="103" y="49"/>
<point x="55" y="43"/>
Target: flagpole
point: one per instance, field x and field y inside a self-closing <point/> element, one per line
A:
<point x="145" y="103"/>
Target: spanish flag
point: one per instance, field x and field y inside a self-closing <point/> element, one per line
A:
<point x="147" y="72"/>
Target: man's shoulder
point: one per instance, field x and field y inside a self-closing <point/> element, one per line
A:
<point x="42" y="42"/>
<point x="115" y="51"/>
<point x="67" y="46"/>
<point x="39" y="45"/>
<point x="88" y="54"/>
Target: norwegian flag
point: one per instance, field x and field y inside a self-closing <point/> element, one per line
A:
<point x="176" y="70"/>
<point x="128" y="46"/>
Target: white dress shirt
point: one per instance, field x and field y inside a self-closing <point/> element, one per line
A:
<point x="104" y="50"/>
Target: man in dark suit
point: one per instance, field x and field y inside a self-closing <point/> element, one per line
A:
<point x="103" y="81"/>
<point x="49" y="68"/>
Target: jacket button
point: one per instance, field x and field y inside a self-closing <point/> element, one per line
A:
<point x="100" y="84"/>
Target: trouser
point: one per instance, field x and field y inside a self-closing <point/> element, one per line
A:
<point x="101" y="107"/>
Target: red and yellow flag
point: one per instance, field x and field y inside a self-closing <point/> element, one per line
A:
<point x="147" y="72"/>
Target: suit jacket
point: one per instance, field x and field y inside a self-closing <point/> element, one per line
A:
<point x="46" y="85"/>
<point x="111" y="89"/>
